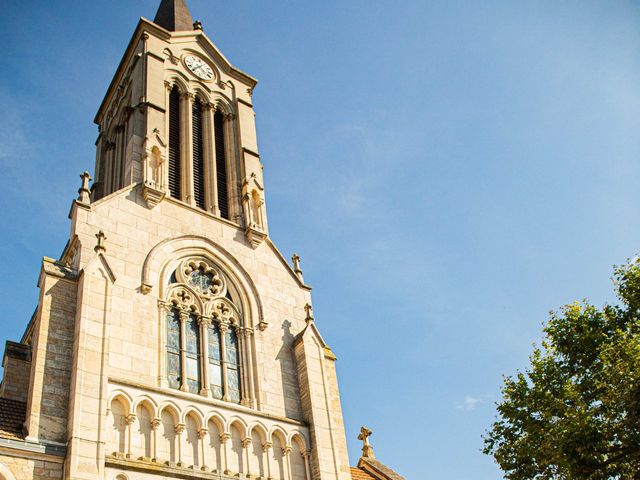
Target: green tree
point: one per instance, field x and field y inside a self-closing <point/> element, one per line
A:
<point x="574" y="413"/>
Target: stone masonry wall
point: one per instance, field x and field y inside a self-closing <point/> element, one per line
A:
<point x="31" y="469"/>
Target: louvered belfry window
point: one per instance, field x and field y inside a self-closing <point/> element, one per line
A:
<point x="198" y="154"/>
<point x="175" y="171"/>
<point x="221" y="165"/>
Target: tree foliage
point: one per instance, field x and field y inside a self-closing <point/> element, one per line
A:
<point x="574" y="413"/>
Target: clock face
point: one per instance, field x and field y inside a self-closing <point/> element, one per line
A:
<point x="199" y="68"/>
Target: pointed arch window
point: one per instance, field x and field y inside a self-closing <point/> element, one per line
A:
<point x="202" y="343"/>
<point x="173" y="347"/>
<point x="215" y="361"/>
<point x="198" y="154"/>
<point x="192" y="345"/>
<point x="175" y="150"/>
<point x="221" y="165"/>
<point x="233" y="365"/>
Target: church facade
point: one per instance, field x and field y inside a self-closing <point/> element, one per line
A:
<point x="172" y="339"/>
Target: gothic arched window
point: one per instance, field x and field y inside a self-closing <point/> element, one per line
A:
<point x="173" y="347"/>
<point x="221" y="165"/>
<point x="175" y="150"/>
<point x="192" y="344"/>
<point x="202" y="321"/>
<point x="198" y="154"/>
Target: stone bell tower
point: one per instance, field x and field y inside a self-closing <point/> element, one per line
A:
<point x="178" y="118"/>
<point x="172" y="339"/>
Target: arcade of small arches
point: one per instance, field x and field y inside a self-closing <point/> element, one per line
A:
<point x="186" y="438"/>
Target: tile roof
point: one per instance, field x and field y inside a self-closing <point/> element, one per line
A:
<point x="378" y="470"/>
<point x="12" y="417"/>
<point x="357" y="474"/>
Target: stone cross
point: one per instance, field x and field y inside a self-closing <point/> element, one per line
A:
<point x="367" y="449"/>
<point x="100" y="245"/>
<point x="309" y="309"/>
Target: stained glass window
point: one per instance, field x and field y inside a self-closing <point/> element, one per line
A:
<point x="192" y="346"/>
<point x="215" y="368"/>
<point x="173" y="348"/>
<point x="201" y="280"/>
<point x="233" y="374"/>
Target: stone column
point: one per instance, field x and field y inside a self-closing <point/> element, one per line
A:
<point x="202" y="435"/>
<point x="241" y="370"/>
<point x="129" y="420"/>
<point x="248" y="333"/>
<point x="155" y="423"/>
<point x="115" y="177"/>
<point x="163" y="309"/>
<point x="307" y="468"/>
<point x="246" y="443"/>
<point x="211" y="180"/>
<point x="224" y="327"/>
<point x="179" y="430"/>
<point x="286" y="453"/>
<point x="204" y="323"/>
<point x="266" y="448"/>
<point x="184" y="317"/>
<point x="233" y="166"/>
<point x="224" y="440"/>
<point x="186" y="144"/>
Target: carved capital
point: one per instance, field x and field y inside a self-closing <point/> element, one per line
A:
<point x="155" y="423"/>
<point x="180" y="428"/>
<point x="225" y="437"/>
<point x="246" y="442"/>
<point x="129" y="419"/>
<point x="223" y="326"/>
<point x="286" y="450"/>
<point x="267" y="446"/>
<point x="204" y="322"/>
<point x="202" y="433"/>
<point x="164" y="307"/>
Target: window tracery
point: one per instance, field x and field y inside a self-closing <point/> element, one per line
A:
<point x="202" y="325"/>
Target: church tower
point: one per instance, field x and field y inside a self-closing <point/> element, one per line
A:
<point x="171" y="338"/>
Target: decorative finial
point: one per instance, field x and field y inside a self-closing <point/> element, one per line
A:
<point x="367" y="449"/>
<point x="197" y="25"/>
<point x="100" y="245"/>
<point x="83" y="191"/>
<point x="296" y="266"/>
<point x="309" y="309"/>
<point x="296" y="263"/>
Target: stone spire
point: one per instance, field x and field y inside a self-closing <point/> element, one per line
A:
<point x="174" y="16"/>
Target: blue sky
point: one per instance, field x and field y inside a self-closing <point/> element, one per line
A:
<point x="449" y="171"/>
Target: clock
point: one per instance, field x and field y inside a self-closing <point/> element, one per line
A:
<point x="198" y="67"/>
